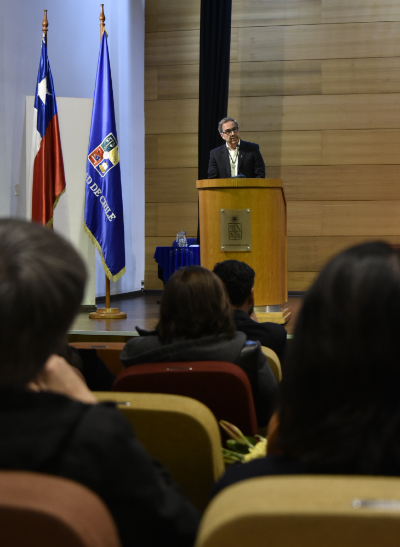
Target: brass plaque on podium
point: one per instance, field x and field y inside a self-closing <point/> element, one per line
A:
<point x="235" y="229"/>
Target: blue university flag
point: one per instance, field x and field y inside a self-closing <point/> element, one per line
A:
<point x="104" y="220"/>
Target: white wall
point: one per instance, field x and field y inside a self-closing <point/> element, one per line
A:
<point x="73" y="47"/>
<point x="74" y="118"/>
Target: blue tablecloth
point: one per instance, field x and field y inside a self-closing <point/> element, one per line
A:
<point x="169" y="259"/>
<point x="189" y="240"/>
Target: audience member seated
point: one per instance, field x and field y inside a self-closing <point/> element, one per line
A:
<point x="339" y="404"/>
<point x="94" y="371"/>
<point x="238" y="278"/>
<point x="49" y="421"/>
<point x="196" y="324"/>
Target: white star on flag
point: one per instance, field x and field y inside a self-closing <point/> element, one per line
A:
<point x="42" y="90"/>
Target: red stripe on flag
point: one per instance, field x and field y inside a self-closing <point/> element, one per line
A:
<point x="48" y="174"/>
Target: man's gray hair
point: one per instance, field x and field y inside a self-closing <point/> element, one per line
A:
<point x="224" y="120"/>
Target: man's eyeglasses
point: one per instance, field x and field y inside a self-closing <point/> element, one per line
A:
<point x="229" y="131"/>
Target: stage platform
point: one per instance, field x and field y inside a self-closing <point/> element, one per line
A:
<point x="142" y="311"/>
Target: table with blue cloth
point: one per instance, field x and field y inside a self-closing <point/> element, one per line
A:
<point x="169" y="259"/>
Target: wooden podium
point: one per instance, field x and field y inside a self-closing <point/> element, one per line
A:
<point x="264" y="200"/>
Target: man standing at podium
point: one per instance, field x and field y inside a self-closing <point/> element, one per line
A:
<point x="235" y="157"/>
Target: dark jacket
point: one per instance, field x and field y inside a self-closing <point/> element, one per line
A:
<point x="251" y="163"/>
<point x="95" y="446"/>
<point x="284" y="465"/>
<point x="271" y="335"/>
<point x="246" y="354"/>
<point x="262" y="467"/>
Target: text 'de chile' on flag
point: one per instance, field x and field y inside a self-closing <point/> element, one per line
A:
<point x="104" y="222"/>
<point x="47" y="166"/>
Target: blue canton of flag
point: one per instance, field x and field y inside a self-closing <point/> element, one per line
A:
<point x="104" y="222"/>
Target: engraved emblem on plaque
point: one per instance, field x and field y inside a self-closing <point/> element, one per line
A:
<point x="235" y="229"/>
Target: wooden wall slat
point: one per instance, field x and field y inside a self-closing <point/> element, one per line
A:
<point x="372" y="75"/>
<point x="171" y="151"/>
<point x="300" y="281"/>
<point x="151" y="268"/>
<point x="275" y="78"/>
<point x="178" y="150"/>
<point x="171" y="185"/>
<point x="304" y="218"/>
<point x="150" y="246"/>
<point x="287" y="147"/>
<point x="313" y="112"/>
<point x="364" y="218"/>
<point x="151" y="83"/>
<point x="343" y="218"/>
<point x="333" y="41"/>
<point x="151" y="16"/>
<point x="173" y="217"/>
<point x="172" y="48"/>
<point x="167" y="219"/>
<point x="339" y="182"/>
<point x="312" y="253"/>
<point x="172" y="15"/>
<point x="178" y="82"/>
<point x="347" y="11"/>
<point x="361" y="147"/>
<point x="234" y="45"/>
<point x="151" y="151"/>
<point x="256" y="13"/>
<point x="177" y="116"/>
<point x="150" y="219"/>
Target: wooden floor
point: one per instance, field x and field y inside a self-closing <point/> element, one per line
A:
<point x="141" y="311"/>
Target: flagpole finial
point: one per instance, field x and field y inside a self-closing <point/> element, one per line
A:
<point x="102" y="19"/>
<point x="45" y="24"/>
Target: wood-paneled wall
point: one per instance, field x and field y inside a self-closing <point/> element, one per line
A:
<point x="316" y="83"/>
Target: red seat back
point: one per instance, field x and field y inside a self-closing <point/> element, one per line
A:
<point x="223" y="387"/>
<point x="40" y="510"/>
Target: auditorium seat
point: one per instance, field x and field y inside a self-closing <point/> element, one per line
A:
<point x="108" y="352"/>
<point x="39" y="510"/>
<point x="304" y="511"/>
<point x="274" y="363"/>
<point x="179" y="432"/>
<point x="223" y="387"/>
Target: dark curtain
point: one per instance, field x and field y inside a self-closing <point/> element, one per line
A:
<point x="215" y="46"/>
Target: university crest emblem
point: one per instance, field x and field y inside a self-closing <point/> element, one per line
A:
<point x="105" y="156"/>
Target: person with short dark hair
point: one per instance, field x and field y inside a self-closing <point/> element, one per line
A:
<point x="236" y="157"/>
<point x="49" y="420"/>
<point x="238" y="278"/>
<point x="196" y="324"/>
<point x="339" y="404"/>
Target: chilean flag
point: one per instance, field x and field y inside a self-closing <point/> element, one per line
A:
<point x="48" y="180"/>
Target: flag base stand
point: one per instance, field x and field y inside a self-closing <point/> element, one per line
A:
<point x="107" y="313"/>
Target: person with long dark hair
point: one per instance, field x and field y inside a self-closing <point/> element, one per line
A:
<point x="339" y="404"/>
<point x="196" y="324"/>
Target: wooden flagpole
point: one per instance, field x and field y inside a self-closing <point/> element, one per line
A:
<point x="45" y="25"/>
<point x="102" y="21"/>
<point x="107" y="312"/>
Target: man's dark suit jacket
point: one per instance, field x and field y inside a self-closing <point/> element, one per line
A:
<point x="251" y="163"/>
<point x="271" y="335"/>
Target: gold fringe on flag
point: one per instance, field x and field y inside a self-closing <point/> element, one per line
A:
<point x="110" y="276"/>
